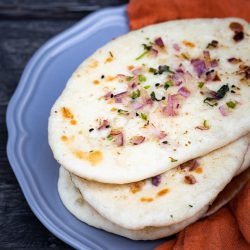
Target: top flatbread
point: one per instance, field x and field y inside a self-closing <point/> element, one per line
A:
<point x="120" y="120"/>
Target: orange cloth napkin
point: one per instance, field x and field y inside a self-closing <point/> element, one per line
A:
<point x="227" y="229"/>
<point x="145" y="12"/>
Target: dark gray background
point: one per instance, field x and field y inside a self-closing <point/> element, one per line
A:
<point x="24" y="26"/>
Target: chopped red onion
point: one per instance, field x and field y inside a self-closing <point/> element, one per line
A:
<point x="156" y="180"/>
<point x="149" y="101"/>
<point x="183" y="91"/>
<point x="133" y="85"/>
<point x="153" y="52"/>
<point x="176" y="47"/>
<point x="118" y="136"/>
<point x="190" y="179"/>
<point x="107" y="95"/>
<point x="224" y="110"/>
<point x="162" y="135"/>
<point x="137" y="71"/>
<point x="118" y="139"/>
<point x="121" y="77"/>
<point x="118" y="97"/>
<point x="190" y="165"/>
<point x="172" y="103"/>
<point x="214" y="63"/>
<point x="136" y="140"/>
<point x="159" y="42"/>
<point x="137" y="105"/>
<point x="199" y="66"/>
<point x="104" y="124"/>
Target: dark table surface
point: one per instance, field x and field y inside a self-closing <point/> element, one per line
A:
<point x="24" y="26"/>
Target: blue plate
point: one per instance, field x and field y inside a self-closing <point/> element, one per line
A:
<point x="27" y="118"/>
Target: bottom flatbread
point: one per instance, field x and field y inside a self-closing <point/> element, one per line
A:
<point x="74" y="202"/>
<point x="180" y="195"/>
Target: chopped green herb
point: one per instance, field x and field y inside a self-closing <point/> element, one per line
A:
<point x="142" y="78"/>
<point x="147" y="87"/>
<point x="153" y="97"/>
<point x="231" y="104"/>
<point x="152" y="70"/>
<point x="164" y="68"/>
<point x="205" y="124"/>
<point x="122" y="112"/>
<point x="110" y="137"/>
<point x="190" y="205"/>
<point x="222" y="91"/>
<point x="210" y="101"/>
<point x="135" y="94"/>
<point x="144" y="116"/>
<point x="168" y="84"/>
<point x="165" y="142"/>
<point x="147" y="48"/>
<point x="201" y="84"/>
<point x="129" y="78"/>
<point x="172" y="159"/>
<point x="111" y="54"/>
<point x="141" y="55"/>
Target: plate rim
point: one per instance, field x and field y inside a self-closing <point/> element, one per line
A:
<point x="16" y="138"/>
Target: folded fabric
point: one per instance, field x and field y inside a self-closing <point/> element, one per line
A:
<point x="229" y="228"/>
<point x="145" y="12"/>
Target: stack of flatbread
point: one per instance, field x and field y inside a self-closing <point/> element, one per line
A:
<point x="154" y="125"/>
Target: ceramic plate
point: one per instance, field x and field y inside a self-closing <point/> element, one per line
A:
<point x="27" y="118"/>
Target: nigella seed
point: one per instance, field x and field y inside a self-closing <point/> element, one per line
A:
<point x="91" y="129"/>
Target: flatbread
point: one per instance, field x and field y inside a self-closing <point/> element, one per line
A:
<point x="176" y="198"/>
<point x="246" y="162"/>
<point x="74" y="202"/>
<point x="229" y="192"/>
<point x="100" y="133"/>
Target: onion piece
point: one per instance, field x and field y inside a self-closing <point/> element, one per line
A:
<point x="156" y="180"/>
<point x="172" y="104"/>
<point x="199" y="66"/>
<point x="118" y="97"/>
<point x="104" y="124"/>
<point x="158" y="41"/>
<point x="224" y="110"/>
<point x="183" y="91"/>
<point x="118" y="137"/>
<point x="138" y="139"/>
<point x="190" y="165"/>
<point x="137" y="71"/>
<point x="137" y="105"/>
<point x="108" y="95"/>
<point x="176" y="47"/>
